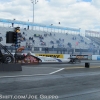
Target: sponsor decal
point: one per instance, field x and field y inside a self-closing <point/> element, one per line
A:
<point x="82" y="57"/>
<point x="28" y="59"/>
<point x="51" y="55"/>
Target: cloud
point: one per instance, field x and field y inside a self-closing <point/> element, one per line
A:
<point x="96" y="3"/>
<point x="71" y="13"/>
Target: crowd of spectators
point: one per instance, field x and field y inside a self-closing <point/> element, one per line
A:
<point x="32" y="40"/>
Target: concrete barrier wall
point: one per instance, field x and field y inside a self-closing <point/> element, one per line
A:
<point x="65" y="56"/>
<point x="95" y="57"/>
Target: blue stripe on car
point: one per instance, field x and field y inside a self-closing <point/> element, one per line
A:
<point x="59" y="60"/>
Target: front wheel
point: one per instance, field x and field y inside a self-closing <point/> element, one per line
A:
<point x="40" y="61"/>
<point x="8" y="59"/>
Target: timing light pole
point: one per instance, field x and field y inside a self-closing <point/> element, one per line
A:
<point x="34" y="2"/>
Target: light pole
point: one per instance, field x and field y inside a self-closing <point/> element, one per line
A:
<point x="34" y="2"/>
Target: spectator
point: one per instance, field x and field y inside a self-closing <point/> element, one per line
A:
<point x="52" y="47"/>
<point x="69" y="44"/>
<point x="28" y="47"/>
<point x="66" y="33"/>
<point x="1" y="39"/>
<point x="45" y="35"/>
<point x="24" y="28"/>
<point x="45" y="50"/>
<point x="80" y="51"/>
<point x="29" y="38"/>
<point x="26" y="44"/>
<point x="12" y="24"/>
<point x="28" y="27"/>
<point x="63" y="50"/>
<point x="50" y="34"/>
<point x="34" y="41"/>
<point x="77" y="43"/>
<point x="24" y="38"/>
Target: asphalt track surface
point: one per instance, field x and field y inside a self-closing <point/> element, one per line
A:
<point x="52" y="82"/>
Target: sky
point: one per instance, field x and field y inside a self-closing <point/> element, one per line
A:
<point x="84" y="14"/>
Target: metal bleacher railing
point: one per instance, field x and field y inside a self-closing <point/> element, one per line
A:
<point x="38" y="25"/>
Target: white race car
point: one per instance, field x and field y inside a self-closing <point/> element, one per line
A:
<point x="51" y="59"/>
<point x="46" y="59"/>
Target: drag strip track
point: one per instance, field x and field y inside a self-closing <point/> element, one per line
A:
<point x="66" y="82"/>
<point x="46" y="69"/>
<point x="77" y="86"/>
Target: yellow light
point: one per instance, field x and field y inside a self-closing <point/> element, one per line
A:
<point x="17" y="31"/>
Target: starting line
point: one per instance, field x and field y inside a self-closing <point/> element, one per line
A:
<point x="51" y="73"/>
<point x="16" y="76"/>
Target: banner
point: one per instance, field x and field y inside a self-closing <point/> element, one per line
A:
<point x="51" y="55"/>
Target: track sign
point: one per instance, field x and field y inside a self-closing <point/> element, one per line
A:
<point x="9" y="37"/>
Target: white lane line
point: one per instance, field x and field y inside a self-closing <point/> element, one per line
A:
<point x="32" y="75"/>
<point x="23" y="76"/>
<point x="73" y="67"/>
<point x="56" y="71"/>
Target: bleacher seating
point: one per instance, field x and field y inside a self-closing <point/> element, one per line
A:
<point x="95" y="39"/>
<point x="34" y="38"/>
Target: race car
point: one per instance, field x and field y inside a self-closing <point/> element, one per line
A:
<point x="31" y="57"/>
<point x="34" y="58"/>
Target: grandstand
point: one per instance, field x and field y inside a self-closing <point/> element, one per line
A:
<point x="54" y="39"/>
